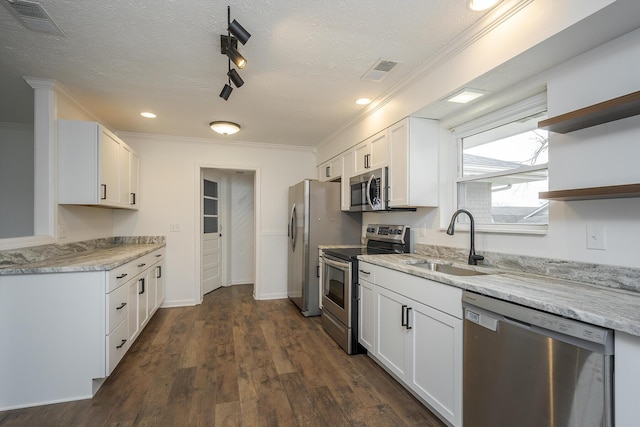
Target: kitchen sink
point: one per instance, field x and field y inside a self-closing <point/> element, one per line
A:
<point x="449" y="269"/>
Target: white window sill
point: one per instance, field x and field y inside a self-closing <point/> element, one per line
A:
<point x="531" y="229"/>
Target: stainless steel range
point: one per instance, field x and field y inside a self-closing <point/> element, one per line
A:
<point x="340" y="281"/>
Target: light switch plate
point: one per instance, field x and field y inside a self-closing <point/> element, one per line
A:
<point x="596" y="237"/>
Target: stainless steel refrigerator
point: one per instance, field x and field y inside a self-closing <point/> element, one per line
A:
<point x="315" y="219"/>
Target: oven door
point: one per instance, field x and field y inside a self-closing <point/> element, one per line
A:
<point x="336" y="292"/>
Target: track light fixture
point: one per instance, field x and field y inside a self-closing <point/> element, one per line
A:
<point x="235" y="77"/>
<point x="229" y="47"/>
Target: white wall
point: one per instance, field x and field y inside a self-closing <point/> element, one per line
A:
<point x="16" y="180"/>
<point x="169" y="173"/>
<point x="242" y="230"/>
<point x="604" y="155"/>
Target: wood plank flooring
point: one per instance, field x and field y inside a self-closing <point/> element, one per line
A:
<point x="234" y="361"/>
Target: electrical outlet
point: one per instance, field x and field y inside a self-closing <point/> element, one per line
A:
<point x="62" y="231"/>
<point x="596" y="237"/>
<point x="174" y="228"/>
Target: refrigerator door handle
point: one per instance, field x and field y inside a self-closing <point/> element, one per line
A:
<point x="293" y="224"/>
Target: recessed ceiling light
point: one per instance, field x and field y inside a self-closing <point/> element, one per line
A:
<point x="148" y="115"/>
<point x="225" y="128"/>
<point x="465" y="95"/>
<point x="480" y="5"/>
<point x="363" y="101"/>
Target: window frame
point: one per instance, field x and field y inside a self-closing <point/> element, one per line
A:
<point x="526" y="107"/>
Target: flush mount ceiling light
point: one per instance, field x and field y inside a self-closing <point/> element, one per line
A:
<point x="225" y="128"/>
<point x="480" y="5"/>
<point x="363" y="101"/>
<point x="465" y="95"/>
<point x="148" y="115"/>
<point x="229" y="47"/>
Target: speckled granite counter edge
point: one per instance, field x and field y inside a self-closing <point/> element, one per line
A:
<point x="88" y="255"/>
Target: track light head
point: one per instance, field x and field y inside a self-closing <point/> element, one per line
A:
<point x="238" y="30"/>
<point x="235" y="77"/>
<point x="229" y="47"/>
<point x="236" y="57"/>
<point x="226" y="92"/>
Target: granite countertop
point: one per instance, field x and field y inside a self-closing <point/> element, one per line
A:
<point x="82" y="256"/>
<point x="340" y="246"/>
<point x="618" y="309"/>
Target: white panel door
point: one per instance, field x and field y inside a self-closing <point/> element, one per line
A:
<point x="211" y="236"/>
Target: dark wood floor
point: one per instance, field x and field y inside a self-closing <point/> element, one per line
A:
<point x="236" y="361"/>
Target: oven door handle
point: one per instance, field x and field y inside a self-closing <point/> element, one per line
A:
<point x="334" y="262"/>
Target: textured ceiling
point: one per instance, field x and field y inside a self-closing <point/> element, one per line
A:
<point x="305" y="61"/>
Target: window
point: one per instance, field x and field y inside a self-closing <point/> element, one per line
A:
<point x="502" y="166"/>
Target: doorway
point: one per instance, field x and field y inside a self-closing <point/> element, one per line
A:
<point x="228" y="223"/>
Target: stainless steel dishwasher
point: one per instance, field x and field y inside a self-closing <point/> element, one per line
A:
<point x="523" y="367"/>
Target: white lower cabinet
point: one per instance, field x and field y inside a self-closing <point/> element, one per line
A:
<point x="417" y="326"/>
<point x="68" y="331"/>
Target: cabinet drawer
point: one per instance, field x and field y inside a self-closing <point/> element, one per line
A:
<point x="117" y="345"/>
<point x="445" y="298"/>
<point x="117" y="307"/>
<point x="119" y="276"/>
<point x="366" y="272"/>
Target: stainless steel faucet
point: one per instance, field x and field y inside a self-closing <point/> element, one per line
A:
<point x="473" y="258"/>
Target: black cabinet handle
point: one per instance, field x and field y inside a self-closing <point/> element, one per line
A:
<point x="158" y="272"/>
<point x="327" y="172"/>
<point x="364" y="272"/>
<point x="158" y="256"/>
<point x="318" y="271"/>
<point x="142" y="291"/>
<point x="121" y="306"/>
<point x="104" y="191"/>
<point x="133" y="198"/>
<point x="141" y="265"/>
<point x="121" y="276"/>
<point x="121" y="344"/>
<point x="404" y="323"/>
<point x="408" y="308"/>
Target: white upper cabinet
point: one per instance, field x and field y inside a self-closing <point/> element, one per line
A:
<point x="95" y="167"/>
<point x="330" y="170"/>
<point x="413" y="163"/>
<point x="372" y="153"/>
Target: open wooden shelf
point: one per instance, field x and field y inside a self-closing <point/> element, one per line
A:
<point x="592" y="193"/>
<point x="604" y="112"/>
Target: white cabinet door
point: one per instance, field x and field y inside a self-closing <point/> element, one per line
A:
<point x="366" y="318"/>
<point x="379" y="149"/>
<point x="413" y="163"/>
<point x="132" y="300"/>
<point x="134" y="180"/>
<point x="159" y="271"/>
<point x="392" y="334"/>
<point x="372" y="153"/>
<point x="143" y="299"/>
<point x="436" y="355"/>
<point x="347" y="173"/>
<point x="110" y="163"/>
<point x="330" y="170"/>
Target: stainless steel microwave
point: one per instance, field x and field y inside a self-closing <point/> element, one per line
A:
<point x="369" y="191"/>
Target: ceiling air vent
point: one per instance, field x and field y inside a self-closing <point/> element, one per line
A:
<point x="33" y="16"/>
<point x="379" y="70"/>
